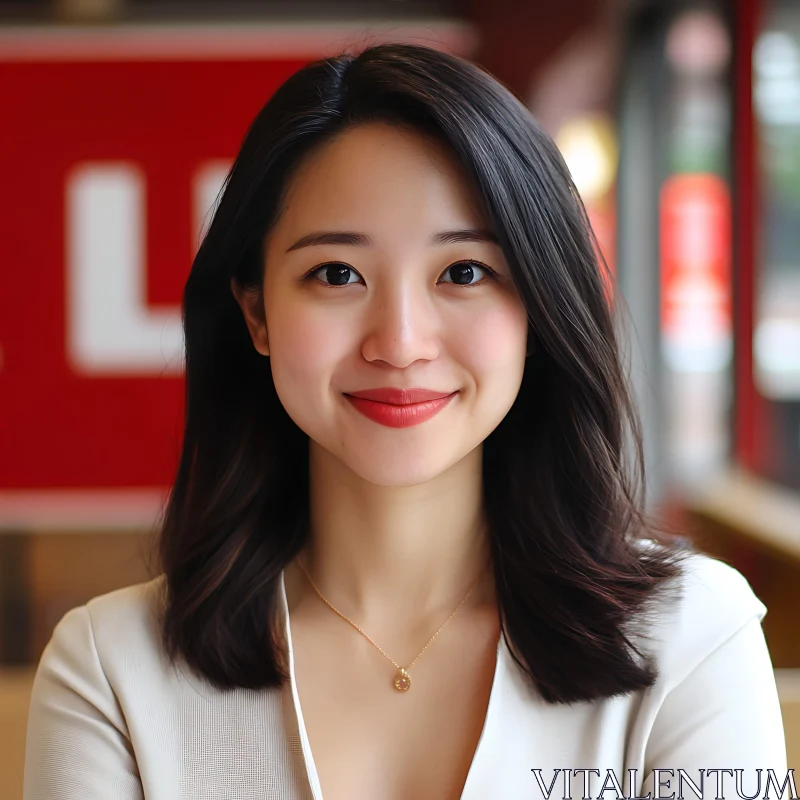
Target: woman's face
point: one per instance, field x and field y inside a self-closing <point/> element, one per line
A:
<point x="393" y="303"/>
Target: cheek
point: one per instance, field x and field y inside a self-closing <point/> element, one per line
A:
<point x="305" y="347"/>
<point x="495" y="341"/>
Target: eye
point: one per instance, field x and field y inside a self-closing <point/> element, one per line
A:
<point x="335" y="272"/>
<point x="464" y="272"/>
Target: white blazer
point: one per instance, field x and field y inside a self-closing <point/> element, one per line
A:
<point x="110" y="719"/>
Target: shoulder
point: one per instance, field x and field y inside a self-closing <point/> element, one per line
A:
<point x="694" y="616"/>
<point x="132" y="610"/>
<point x="111" y="631"/>
<point x="136" y="609"/>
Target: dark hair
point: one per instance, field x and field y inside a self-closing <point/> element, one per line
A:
<point x="563" y="499"/>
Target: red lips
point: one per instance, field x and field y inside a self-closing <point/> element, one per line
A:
<point x="399" y="408"/>
<point x="399" y="397"/>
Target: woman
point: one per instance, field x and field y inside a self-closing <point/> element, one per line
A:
<point x="404" y="555"/>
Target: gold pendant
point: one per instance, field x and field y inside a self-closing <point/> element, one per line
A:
<point x="403" y="681"/>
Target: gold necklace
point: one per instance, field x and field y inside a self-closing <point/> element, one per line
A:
<point x="402" y="681"/>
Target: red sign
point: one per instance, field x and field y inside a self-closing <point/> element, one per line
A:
<point x="696" y="303"/>
<point x="115" y="146"/>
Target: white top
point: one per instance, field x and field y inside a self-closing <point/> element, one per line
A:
<point x="110" y="718"/>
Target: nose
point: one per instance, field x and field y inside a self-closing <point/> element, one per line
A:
<point x="402" y="326"/>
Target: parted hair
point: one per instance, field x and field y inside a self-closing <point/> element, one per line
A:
<point x="563" y="473"/>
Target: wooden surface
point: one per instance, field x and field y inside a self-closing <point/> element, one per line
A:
<point x="65" y="570"/>
<point x="755" y="526"/>
<point x="788" y="681"/>
<point x="15" y="685"/>
<point x="44" y="575"/>
<point x="761" y="512"/>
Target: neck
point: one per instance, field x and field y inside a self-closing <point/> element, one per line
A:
<point x="377" y="552"/>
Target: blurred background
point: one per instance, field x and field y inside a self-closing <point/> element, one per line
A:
<point x="680" y="122"/>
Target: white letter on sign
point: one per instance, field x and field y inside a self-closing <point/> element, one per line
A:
<point x="110" y="330"/>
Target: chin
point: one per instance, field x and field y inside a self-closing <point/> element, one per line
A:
<point x="399" y="477"/>
<point x="398" y="469"/>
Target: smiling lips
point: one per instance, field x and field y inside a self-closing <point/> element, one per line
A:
<point x="399" y="408"/>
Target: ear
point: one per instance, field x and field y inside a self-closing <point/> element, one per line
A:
<point x="252" y="305"/>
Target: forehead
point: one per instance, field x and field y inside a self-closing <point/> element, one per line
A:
<point x="383" y="174"/>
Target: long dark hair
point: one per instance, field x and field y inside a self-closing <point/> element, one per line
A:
<point x="563" y="472"/>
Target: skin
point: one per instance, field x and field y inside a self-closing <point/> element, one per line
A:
<point x="398" y="530"/>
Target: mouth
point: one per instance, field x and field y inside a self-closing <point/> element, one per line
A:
<point x="382" y="406"/>
<point x="399" y="397"/>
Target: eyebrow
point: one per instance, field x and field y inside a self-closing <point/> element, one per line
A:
<point x="362" y="240"/>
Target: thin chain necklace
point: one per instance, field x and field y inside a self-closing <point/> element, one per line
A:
<point x="402" y="681"/>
